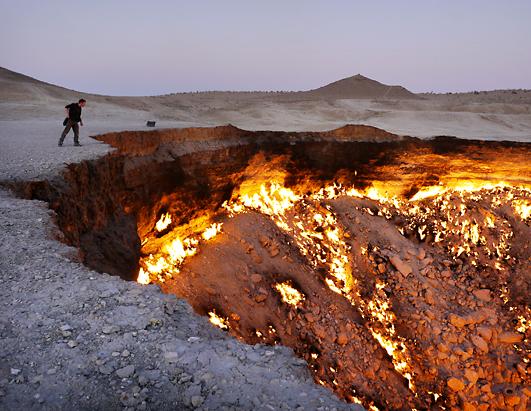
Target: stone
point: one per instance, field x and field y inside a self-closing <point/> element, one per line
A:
<point x="256" y="278"/>
<point x="429" y="297"/>
<point x="381" y="268"/>
<point x="455" y="384"/>
<point x="512" y="400"/>
<point x="125" y="353"/>
<point x="256" y="258"/>
<point x="15" y="371"/>
<point x="106" y="369"/>
<point x="65" y="327"/>
<point x="171" y="356"/>
<point x="480" y="343"/>
<point x="109" y="329"/>
<point x="197" y="400"/>
<point x="37" y="379"/>
<point x="471" y="376"/>
<point x="485" y="333"/>
<point x="510" y="337"/>
<point x="342" y="338"/>
<point x="482" y="295"/>
<point x="404" y="268"/>
<point x="457" y="321"/>
<point x="320" y="332"/>
<point x="125" y="372"/>
<point x="260" y="298"/>
<point x="72" y="344"/>
<point x="142" y="380"/>
<point x="443" y="347"/>
<point x="476" y="317"/>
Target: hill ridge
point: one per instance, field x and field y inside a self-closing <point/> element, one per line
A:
<point x="356" y="86"/>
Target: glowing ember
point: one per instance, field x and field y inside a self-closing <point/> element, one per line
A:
<point x="218" y="321"/>
<point x="290" y="295"/>
<point x="163" y="223"/>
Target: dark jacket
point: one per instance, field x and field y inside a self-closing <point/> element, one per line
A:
<point x="74" y="112"/>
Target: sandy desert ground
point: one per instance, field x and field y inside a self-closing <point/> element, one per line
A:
<point x="497" y="115"/>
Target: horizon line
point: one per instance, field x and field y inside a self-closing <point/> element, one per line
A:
<point x="266" y="91"/>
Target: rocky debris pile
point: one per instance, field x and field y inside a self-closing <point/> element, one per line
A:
<point x="404" y="323"/>
<point x="461" y="326"/>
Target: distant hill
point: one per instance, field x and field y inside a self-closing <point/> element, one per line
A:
<point x="360" y="87"/>
<point x="16" y="86"/>
<point x="19" y="87"/>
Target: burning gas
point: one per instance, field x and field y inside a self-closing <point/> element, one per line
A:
<point x="430" y="277"/>
<point x="290" y="295"/>
<point x="163" y="223"/>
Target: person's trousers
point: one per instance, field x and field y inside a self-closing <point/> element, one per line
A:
<point x="70" y="125"/>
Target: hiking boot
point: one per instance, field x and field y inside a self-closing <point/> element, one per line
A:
<point x="60" y="144"/>
<point x="77" y="145"/>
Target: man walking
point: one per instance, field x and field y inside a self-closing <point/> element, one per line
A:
<point x="73" y="117"/>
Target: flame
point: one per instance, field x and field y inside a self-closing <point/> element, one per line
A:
<point x="522" y="208"/>
<point x="178" y="250"/>
<point x="212" y="231"/>
<point x="156" y="266"/>
<point x="143" y="277"/>
<point x="218" y="321"/>
<point x="163" y="223"/>
<point x="290" y="295"/>
<point x="271" y="199"/>
<point x="463" y="219"/>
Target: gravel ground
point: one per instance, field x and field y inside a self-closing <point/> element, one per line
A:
<point x="72" y="338"/>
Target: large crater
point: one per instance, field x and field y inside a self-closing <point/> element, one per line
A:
<point x="398" y="268"/>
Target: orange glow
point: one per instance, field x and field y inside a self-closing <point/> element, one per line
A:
<point x="290" y="295"/>
<point x="211" y="231"/>
<point x="218" y="321"/>
<point x="163" y="223"/>
<point x="143" y="277"/>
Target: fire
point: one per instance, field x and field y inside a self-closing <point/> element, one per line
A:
<point x="469" y="222"/>
<point x="271" y="199"/>
<point x="522" y="208"/>
<point x="163" y="223"/>
<point x="143" y="277"/>
<point x="218" y="321"/>
<point x="290" y="295"/>
<point x="212" y="231"/>
<point x="178" y="250"/>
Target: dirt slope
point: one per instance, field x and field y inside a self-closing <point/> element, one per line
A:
<point x="360" y="87"/>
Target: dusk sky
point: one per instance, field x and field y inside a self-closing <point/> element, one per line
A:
<point x="144" y="48"/>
